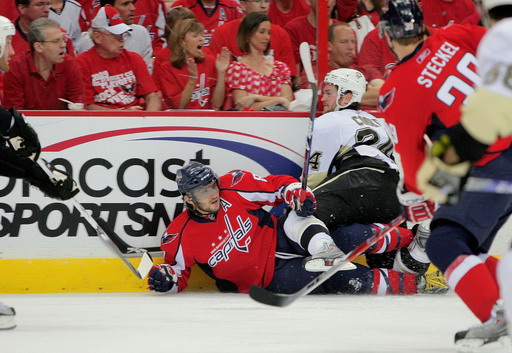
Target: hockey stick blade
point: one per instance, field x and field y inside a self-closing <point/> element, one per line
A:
<point x="276" y="299"/>
<point x="305" y="57"/>
<point x="146" y="261"/>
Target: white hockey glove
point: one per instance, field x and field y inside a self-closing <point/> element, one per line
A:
<point x="440" y="181"/>
<point x="162" y="278"/>
<point x="301" y="201"/>
<point x="61" y="186"/>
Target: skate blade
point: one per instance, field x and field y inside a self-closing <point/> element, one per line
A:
<point x="322" y="265"/>
<point x="471" y="345"/>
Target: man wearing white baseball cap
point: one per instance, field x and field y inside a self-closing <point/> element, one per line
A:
<point x="137" y="40"/>
<point x="114" y="77"/>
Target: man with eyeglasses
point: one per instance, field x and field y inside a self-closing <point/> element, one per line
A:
<point x="29" y="11"/>
<point x="40" y="76"/>
<point x="114" y="77"/>
<point x="211" y="13"/>
<point x="137" y="40"/>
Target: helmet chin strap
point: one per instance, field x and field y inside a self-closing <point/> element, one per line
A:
<point x="193" y="207"/>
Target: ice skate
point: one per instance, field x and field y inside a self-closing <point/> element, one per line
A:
<point x="432" y="282"/>
<point x="329" y="256"/>
<point x="7" y="317"/>
<point x="418" y="244"/>
<point x="493" y="330"/>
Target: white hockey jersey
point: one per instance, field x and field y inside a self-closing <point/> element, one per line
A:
<point x="68" y="18"/>
<point x="495" y="58"/>
<point x="338" y="133"/>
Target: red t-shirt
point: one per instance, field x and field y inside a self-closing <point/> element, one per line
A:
<point x="172" y="81"/>
<point x="26" y="89"/>
<point x="115" y="83"/>
<point x="376" y="53"/>
<point x="439" y="13"/>
<point x="224" y="11"/>
<point x="300" y="30"/>
<point x="151" y="15"/>
<point x="244" y="78"/>
<point x="237" y="246"/>
<point x="8" y="9"/>
<point x="280" y="45"/>
<point x="299" y="8"/>
<point x="427" y="89"/>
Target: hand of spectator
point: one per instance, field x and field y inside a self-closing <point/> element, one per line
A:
<point x="284" y="102"/>
<point x="246" y="101"/>
<point x="192" y="68"/>
<point x="135" y="107"/>
<point x="222" y="61"/>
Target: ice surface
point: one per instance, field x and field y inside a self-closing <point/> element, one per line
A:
<point x="214" y="322"/>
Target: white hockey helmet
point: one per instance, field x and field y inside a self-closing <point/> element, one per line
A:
<point x="6" y="29"/>
<point x="347" y="80"/>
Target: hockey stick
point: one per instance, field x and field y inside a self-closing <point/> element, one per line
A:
<point x="276" y="299"/>
<point x="104" y="232"/>
<point x="305" y="58"/>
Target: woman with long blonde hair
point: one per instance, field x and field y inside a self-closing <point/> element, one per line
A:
<point x="190" y="78"/>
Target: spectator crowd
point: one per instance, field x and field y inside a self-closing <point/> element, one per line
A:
<point x="192" y="54"/>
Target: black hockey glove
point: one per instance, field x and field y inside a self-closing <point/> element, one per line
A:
<point x="23" y="138"/>
<point x="63" y="188"/>
<point x="162" y="278"/>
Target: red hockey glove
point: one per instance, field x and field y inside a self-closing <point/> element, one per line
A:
<point x="417" y="207"/>
<point x="301" y="201"/>
<point x="162" y="278"/>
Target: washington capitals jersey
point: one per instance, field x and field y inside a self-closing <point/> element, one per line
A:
<point x="338" y="135"/>
<point x="237" y="247"/>
<point x="425" y="91"/>
<point x="222" y="12"/>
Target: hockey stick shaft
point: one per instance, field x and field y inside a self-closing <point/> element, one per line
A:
<point x="146" y="261"/>
<point x="266" y="297"/>
<point x="305" y="57"/>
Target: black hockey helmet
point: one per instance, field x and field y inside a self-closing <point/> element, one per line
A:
<point x="403" y="19"/>
<point x="192" y="176"/>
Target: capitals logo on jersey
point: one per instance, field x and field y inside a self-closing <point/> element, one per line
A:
<point x="386" y="100"/>
<point x="169" y="238"/>
<point x="234" y="240"/>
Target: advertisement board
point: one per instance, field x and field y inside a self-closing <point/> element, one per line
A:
<point x="125" y="165"/>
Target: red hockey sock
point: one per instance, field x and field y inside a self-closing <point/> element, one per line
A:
<point x="492" y="264"/>
<point x="396" y="239"/>
<point x="471" y="279"/>
<point x="387" y="281"/>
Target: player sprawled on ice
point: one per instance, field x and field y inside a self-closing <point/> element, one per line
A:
<point x="20" y="163"/>
<point x="423" y="96"/>
<point x="227" y="233"/>
<point x="354" y="178"/>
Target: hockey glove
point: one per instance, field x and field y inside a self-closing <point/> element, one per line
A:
<point x="417" y="207"/>
<point x="61" y="187"/>
<point x="301" y="201"/>
<point x="162" y="278"/>
<point x="440" y="181"/>
<point x="24" y="139"/>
